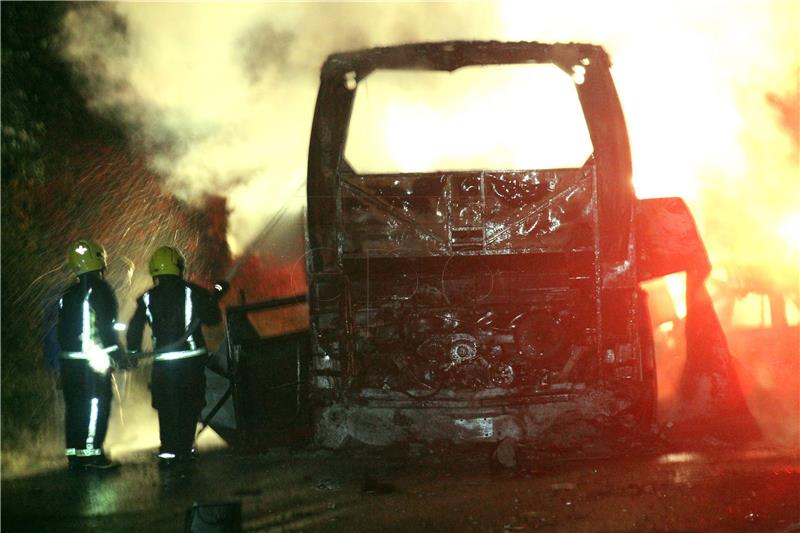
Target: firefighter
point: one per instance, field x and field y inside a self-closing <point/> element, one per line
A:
<point x="175" y="309"/>
<point x="89" y="345"/>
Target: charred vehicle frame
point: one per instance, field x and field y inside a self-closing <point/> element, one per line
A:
<point x="524" y="317"/>
<point x="433" y="327"/>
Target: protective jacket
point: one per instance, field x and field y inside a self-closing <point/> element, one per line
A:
<point x="86" y="316"/>
<point x="173" y="309"/>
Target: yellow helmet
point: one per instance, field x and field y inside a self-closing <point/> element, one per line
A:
<point x="166" y="260"/>
<point x="85" y="255"/>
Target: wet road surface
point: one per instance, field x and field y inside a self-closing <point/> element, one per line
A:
<point x="754" y="489"/>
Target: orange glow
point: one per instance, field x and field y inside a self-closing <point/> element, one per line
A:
<point x="676" y="285"/>
<point x="711" y="99"/>
<point x="751" y="311"/>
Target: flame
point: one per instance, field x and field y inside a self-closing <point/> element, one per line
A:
<point x="711" y="98"/>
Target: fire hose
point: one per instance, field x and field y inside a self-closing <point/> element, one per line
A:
<point x="171" y="347"/>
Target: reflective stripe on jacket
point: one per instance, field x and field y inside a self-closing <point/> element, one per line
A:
<point x="171" y="307"/>
<point x="86" y="315"/>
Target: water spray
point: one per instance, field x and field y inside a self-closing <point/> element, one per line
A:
<point x="268" y="228"/>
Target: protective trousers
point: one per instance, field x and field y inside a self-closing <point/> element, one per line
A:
<point x="87" y="399"/>
<point x="178" y="391"/>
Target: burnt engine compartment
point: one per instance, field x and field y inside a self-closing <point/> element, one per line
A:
<point x="521" y="322"/>
<point x="464" y="349"/>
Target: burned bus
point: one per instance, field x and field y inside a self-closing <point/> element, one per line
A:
<point x="453" y="297"/>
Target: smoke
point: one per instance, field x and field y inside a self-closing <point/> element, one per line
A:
<point x="222" y="96"/>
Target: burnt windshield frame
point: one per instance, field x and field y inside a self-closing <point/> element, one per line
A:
<point x="505" y="117"/>
<point x="597" y="94"/>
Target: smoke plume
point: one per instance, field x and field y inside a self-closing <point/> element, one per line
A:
<point x="222" y="96"/>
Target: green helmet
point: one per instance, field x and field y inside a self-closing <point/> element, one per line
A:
<point x="166" y="260"/>
<point x="85" y="255"/>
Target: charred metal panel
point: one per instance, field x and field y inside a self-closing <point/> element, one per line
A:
<point x="668" y="239"/>
<point x="269" y="379"/>
<point x="271" y="390"/>
<point x="467" y="213"/>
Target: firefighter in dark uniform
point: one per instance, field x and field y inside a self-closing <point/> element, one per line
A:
<point x="175" y="309"/>
<point x="89" y="346"/>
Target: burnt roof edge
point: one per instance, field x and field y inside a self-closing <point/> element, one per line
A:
<point x="451" y="55"/>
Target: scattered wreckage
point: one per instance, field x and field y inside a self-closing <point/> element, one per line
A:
<point x="466" y="305"/>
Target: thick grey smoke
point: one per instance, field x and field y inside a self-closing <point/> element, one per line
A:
<point x="222" y="95"/>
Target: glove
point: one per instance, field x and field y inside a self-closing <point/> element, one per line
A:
<point x="220" y="289"/>
<point x="100" y="360"/>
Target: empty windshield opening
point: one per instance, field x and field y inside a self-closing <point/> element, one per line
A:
<point x="499" y="117"/>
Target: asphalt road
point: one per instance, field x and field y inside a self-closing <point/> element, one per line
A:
<point x="427" y="489"/>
